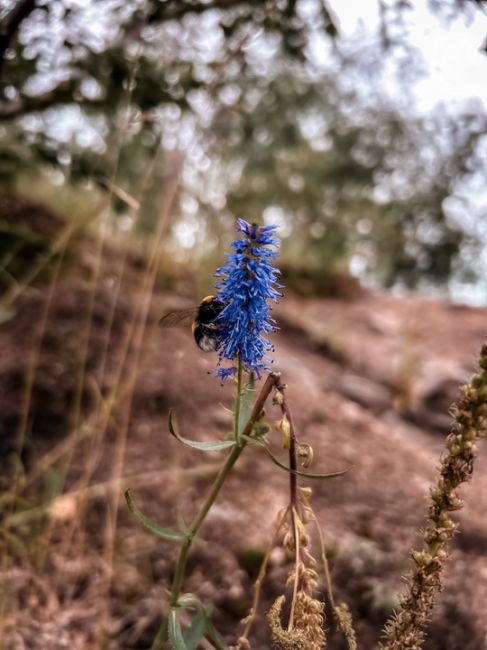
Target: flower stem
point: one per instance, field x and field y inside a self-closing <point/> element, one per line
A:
<point x="238" y="399"/>
<point x="293" y="478"/>
<point x="195" y="526"/>
<point x="271" y="381"/>
<point x="293" y="497"/>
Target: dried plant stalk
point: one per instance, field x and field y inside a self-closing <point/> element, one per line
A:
<point x="405" y="630"/>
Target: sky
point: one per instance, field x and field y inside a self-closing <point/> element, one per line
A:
<point x="456" y="68"/>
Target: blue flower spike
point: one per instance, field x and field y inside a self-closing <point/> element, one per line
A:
<point x="248" y="281"/>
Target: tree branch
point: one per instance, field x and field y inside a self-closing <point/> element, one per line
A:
<point x="175" y="9"/>
<point x="63" y="93"/>
<point x="11" y="22"/>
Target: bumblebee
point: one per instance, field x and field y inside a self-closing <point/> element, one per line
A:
<point x="202" y="319"/>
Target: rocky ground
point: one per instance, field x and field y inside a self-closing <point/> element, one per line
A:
<point x="87" y="383"/>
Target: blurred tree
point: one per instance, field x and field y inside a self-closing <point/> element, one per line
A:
<point x="98" y="57"/>
<point x="103" y="90"/>
<point x="351" y="181"/>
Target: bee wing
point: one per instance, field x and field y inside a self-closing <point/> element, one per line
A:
<point x="178" y="317"/>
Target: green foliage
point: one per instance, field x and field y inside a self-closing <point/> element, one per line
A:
<point x="175" y="632"/>
<point x="296" y="472"/>
<point x="196" y="631"/>
<point x="151" y="525"/>
<point x="201" y="445"/>
<point x="201" y="625"/>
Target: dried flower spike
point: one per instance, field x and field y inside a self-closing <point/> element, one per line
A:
<point x="308" y="631"/>
<point x="405" y="630"/>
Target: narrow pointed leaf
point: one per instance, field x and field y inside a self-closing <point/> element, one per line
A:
<point x="277" y="462"/>
<point x="191" y="601"/>
<point x="196" y="631"/>
<point x="150" y="524"/>
<point x="176" y="638"/>
<point x="217" y="445"/>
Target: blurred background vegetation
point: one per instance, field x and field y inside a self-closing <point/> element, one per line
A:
<point x="262" y="110"/>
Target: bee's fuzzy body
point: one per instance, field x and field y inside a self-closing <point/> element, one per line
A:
<point x="205" y="331"/>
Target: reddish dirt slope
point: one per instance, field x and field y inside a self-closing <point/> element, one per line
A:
<point x="369" y="382"/>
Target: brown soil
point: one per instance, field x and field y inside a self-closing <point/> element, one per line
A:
<point x="369" y="381"/>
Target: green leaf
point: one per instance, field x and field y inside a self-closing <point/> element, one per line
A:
<point x="191" y="601"/>
<point x="246" y="402"/>
<point x="195" y="444"/>
<point x="277" y="462"/>
<point x="151" y="524"/>
<point x="196" y="631"/>
<point x="176" y="638"/>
